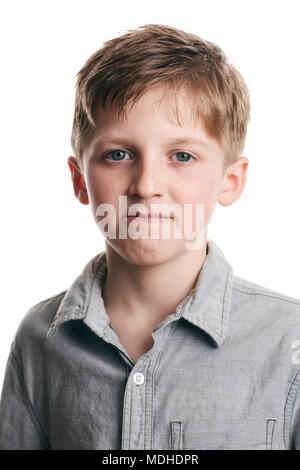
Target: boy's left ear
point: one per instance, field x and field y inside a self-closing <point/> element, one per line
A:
<point x="234" y="181"/>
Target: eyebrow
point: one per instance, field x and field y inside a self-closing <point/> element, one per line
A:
<point x="119" y="139"/>
<point x="189" y="140"/>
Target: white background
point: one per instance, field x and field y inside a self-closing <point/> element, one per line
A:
<point x="47" y="236"/>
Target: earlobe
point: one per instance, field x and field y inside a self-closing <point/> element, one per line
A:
<point x="83" y="196"/>
<point x="79" y="186"/>
<point x="234" y="182"/>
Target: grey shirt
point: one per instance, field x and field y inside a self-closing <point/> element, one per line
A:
<point x="223" y="372"/>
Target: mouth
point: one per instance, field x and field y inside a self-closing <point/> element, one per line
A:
<point x="149" y="217"/>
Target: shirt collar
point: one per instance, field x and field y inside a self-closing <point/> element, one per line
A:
<point x="207" y="305"/>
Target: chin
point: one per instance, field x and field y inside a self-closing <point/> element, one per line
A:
<point x="147" y="252"/>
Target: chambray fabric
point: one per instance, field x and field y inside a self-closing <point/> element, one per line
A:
<point x="222" y="373"/>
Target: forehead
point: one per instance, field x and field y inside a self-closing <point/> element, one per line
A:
<point x="165" y="103"/>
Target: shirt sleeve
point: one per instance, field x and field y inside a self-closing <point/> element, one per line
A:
<point x="19" y="426"/>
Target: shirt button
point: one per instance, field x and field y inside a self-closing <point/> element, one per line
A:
<point x="138" y="378"/>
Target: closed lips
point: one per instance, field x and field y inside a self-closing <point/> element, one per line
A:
<point x="150" y="216"/>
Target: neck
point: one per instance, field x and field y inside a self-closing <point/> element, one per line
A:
<point x="144" y="295"/>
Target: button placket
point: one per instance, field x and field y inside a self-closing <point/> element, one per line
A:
<point x="137" y="427"/>
<point x="133" y="434"/>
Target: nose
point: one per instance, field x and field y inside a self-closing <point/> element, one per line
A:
<point x="147" y="180"/>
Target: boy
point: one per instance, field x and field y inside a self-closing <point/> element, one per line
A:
<point x="156" y="345"/>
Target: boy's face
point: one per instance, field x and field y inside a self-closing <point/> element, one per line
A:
<point x="151" y="159"/>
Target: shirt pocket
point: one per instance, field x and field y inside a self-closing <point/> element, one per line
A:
<point x="270" y="433"/>
<point x="176" y="435"/>
<point x="178" y="439"/>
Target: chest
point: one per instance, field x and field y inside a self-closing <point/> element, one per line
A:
<point x="187" y="395"/>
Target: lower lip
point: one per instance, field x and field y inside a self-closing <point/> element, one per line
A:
<point x="148" y="219"/>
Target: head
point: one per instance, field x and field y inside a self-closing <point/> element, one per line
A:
<point x="149" y="96"/>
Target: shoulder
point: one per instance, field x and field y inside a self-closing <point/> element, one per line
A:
<point x="249" y="287"/>
<point x="36" y="322"/>
<point x="264" y="298"/>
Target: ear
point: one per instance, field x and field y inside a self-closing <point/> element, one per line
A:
<point x="234" y="181"/>
<point x="80" y="190"/>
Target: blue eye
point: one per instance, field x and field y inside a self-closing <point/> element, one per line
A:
<point x="184" y="155"/>
<point x="118" y="155"/>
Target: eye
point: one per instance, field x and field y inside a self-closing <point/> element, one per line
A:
<point x="117" y="155"/>
<point x="183" y="156"/>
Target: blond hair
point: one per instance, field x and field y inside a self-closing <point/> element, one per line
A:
<point x="127" y="66"/>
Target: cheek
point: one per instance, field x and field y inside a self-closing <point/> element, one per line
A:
<point x="102" y="189"/>
<point x="101" y="192"/>
<point x="205" y="192"/>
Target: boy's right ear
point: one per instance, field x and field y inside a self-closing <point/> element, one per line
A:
<point x="79" y="186"/>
